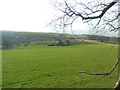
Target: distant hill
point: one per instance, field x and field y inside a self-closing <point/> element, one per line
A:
<point x="10" y="38"/>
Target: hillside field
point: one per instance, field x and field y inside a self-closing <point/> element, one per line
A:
<point x="40" y="66"/>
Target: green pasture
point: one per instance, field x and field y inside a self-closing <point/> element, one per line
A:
<point x="40" y="66"/>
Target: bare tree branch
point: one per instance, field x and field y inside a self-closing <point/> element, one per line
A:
<point x="106" y="13"/>
<point x="93" y="17"/>
<point x="117" y="86"/>
<point x="88" y="12"/>
<point x="108" y="73"/>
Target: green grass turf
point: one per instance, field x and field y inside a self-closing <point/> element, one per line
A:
<point x="58" y="66"/>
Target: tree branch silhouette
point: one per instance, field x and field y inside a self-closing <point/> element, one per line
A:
<point x="108" y="73"/>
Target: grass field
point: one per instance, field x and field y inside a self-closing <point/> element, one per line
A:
<point x="41" y="66"/>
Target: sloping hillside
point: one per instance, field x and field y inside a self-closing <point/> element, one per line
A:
<point x="12" y="38"/>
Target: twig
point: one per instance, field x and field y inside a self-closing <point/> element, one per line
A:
<point x="103" y="73"/>
<point x="113" y="46"/>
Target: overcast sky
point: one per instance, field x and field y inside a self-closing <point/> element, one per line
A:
<point x="25" y="15"/>
<point x="29" y="15"/>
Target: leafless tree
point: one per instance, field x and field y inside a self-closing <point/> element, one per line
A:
<point x="104" y="14"/>
<point x="101" y="14"/>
